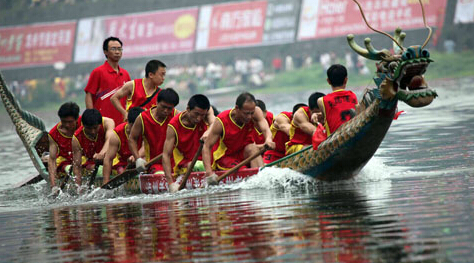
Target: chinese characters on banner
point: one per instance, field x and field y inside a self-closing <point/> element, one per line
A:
<point x="142" y="34"/>
<point x="38" y="44"/>
<point x="233" y="24"/>
<point x="464" y="12"/>
<point x="333" y="18"/>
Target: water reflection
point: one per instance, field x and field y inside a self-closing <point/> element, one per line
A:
<point x="334" y="224"/>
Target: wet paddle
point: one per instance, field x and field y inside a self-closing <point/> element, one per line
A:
<point x="235" y="168"/>
<point x="191" y="166"/>
<point x="30" y="180"/>
<point x="97" y="163"/>
<point x="127" y="175"/>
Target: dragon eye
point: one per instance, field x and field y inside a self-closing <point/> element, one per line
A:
<point x="425" y="53"/>
<point x="409" y="54"/>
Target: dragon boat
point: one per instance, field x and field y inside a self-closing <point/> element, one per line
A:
<point x="399" y="77"/>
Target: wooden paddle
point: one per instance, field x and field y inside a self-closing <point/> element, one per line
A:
<point x="127" y="175"/>
<point x="244" y="162"/>
<point x="30" y="180"/>
<point x="191" y="166"/>
<point x="97" y="163"/>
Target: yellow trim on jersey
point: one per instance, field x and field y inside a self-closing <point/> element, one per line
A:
<point x="230" y="117"/>
<point x="220" y="151"/>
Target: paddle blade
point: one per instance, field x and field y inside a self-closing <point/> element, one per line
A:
<point x="120" y="179"/>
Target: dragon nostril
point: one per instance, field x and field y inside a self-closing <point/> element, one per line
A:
<point x="425" y="53"/>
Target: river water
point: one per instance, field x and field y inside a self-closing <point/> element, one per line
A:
<point x="413" y="202"/>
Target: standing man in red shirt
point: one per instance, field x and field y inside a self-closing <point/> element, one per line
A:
<point x="337" y="106"/>
<point x="106" y="80"/>
<point x="141" y="92"/>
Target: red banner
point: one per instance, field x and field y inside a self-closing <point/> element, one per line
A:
<point x="40" y="44"/>
<point x="234" y="24"/>
<point x="333" y="18"/>
<point x="142" y="34"/>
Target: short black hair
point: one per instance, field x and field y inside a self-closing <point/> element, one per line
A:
<point x="199" y="101"/>
<point x="152" y="66"/>
<point x="69" y="109"/>
<point x="105" y="46"/>
<point x="244" y="97"/>
<point x="168" y="95"/>
<point x="336" y="75"/>
<point x="261" y="105"/>
<point x="91" y="117"/>
<point x="297" y="106"/>
<point x="133" y="113"/>
<point x="216" y="111"/>
<point x="313" y="100"/>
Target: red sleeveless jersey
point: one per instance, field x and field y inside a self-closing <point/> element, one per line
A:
<point x="258" y="137"/>
<point x="297" y="136"/>
<point x="337" y="107"/>
<point x="186" y="140"/>
<point x="123" y="151"/>
<point x="234" y="137"/>
<point x="279" y="137"/>
<point x="139" y="96"/>
<point x="154" y="133"/>
<point x="64" y="145"/>
<point x="88" y="145"/>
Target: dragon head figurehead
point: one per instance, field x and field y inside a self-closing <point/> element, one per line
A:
<point x="399" y="75"/>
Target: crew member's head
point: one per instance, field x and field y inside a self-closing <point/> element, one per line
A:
<point x="68" y="114"/>
<point x="198" y="106"/>
<point x="166" y="101"/>
<point x="132" y="115"/>
<point x="337" y="75"/>
<point x="262" y="106"/>
<point x="313" y="105"/>
<point x="156" y="71"/>
<point x="297" y="106"/>
<point x="245" y="107"/>
<point x="91" y="120"/>
<point x="112" y="48"/>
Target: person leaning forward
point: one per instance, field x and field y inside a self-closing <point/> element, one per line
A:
<point x="151" y="126"/>
<point x="119" y="155"/>
<point x="90" y="141"/>
<point x="106" y="80"/>
<point x="234" y="129"/>
<point x="60" y="137"/>
<point x="140" y="92"/>
<point x="302" y="124"/>
<point x="182" y="138"/>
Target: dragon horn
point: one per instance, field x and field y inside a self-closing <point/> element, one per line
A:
<point x="426" y="25"/>
<point x="400" y="37"/>
<point x="369" y="52"/>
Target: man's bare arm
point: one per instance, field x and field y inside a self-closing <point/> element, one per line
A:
<point x="89" y="101"/>
<point x="302" y="121"/>
<point x="282" y="123"/>
<point x="214" y="135"/>
<point x="114" y="144"/>
<point x="77" y="160"/>
<point x="263" y="126"/>
<point x="167" y="152"/>
<point x="52" y="167"/>
<point x="134" y="136"/>
<point x="125" y="91"/>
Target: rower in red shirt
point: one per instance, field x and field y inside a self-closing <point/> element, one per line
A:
<point x="280" y="129"/>
<point x="151" y="126"/>
<point x="90" y="141"/>
<point x="182" y="138"/>
<point x="339" y="106"/>
<point x="258" y="137"/>
<point x="60" y="136"/>
<point x="303" y="125"/>
<point x="118" y="155"/>
<point x="141" y="92"/>
<point x="234" y="128"/>
<point x="106" y="80"/>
